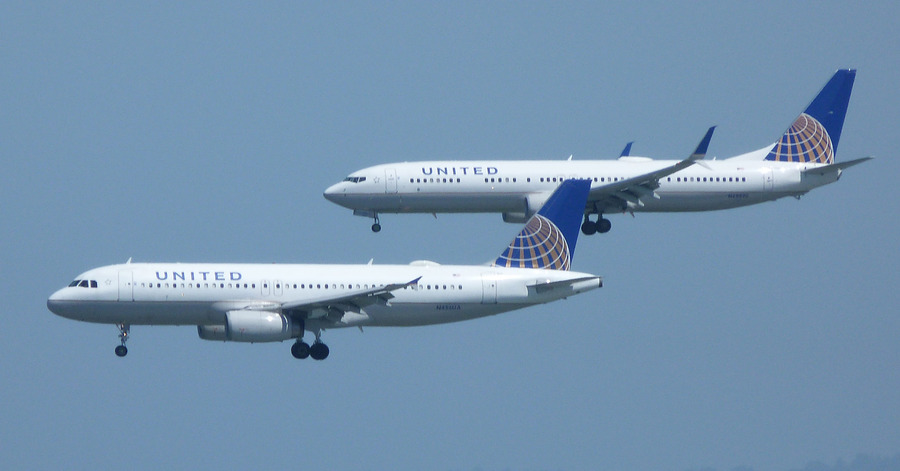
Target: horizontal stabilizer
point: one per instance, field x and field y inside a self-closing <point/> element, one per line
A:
<point x="836" y="167"/>
<point x="550" y="286"/>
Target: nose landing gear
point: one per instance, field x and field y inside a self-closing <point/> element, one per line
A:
<point x="124" y="330"/>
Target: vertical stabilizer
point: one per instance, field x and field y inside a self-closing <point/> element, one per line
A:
<point x="548" y="238"/>
<point x="815" y="133"/>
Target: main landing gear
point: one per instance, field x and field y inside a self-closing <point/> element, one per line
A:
<point x="124" y="330"/>
<point x="377" y="225"/>
<point x="302" y="350"/>
<point x="602" y="225"/>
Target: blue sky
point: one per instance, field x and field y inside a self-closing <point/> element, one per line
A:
<point x="763" y="337"/>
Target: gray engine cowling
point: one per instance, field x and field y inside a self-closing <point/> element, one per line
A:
<point x="252" y="326"/>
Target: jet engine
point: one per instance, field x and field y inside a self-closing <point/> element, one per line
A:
<point x="252" y="326"/>
<point x="518" y="217"/>
<point x="531" y="204"/>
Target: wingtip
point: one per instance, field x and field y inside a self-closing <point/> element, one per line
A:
<point x="700" y="152"/>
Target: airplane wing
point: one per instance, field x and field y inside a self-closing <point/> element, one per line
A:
<point x="352" y="301"/>
<point x="632" y="190"/>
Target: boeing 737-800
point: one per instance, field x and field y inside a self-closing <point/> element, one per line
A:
<point x="272" y="303"/>
<point x="801" y="160"/>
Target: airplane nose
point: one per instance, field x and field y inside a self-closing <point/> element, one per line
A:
<point x="55" y="303"/>
<point x="334" y="191"/>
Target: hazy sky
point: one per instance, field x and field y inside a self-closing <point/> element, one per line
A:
<point x="763" y="337"/>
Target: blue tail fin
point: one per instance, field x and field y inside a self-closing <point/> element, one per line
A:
<point x="815" y="134"/>
<point x="548" y="238"/>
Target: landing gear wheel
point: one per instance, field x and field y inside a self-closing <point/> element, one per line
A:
<point x="300" y="350"/>
<point x="588" y="227"/>
<point x="376" y="227"/>
<point x="318" y="351"/>
<point x="603" y="225"/>
<point x="121" y="351"/>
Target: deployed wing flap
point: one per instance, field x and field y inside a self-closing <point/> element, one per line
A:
<point x="631" y="190"/>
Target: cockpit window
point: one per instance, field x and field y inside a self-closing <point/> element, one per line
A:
<point x="84" y="284"/>
<point x="355" y="179"/>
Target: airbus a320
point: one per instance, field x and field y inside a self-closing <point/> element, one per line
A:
<point x="273" y="303"/>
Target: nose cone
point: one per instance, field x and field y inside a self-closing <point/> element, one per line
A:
<point x="56" y="303"/>
<point x="334" y="192"/>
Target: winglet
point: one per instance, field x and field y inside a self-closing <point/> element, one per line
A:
<point x="548" y="238"/>
<point x="627" y="150"/>
<point x="413" y="282"/>
<point x="700" y="152"/>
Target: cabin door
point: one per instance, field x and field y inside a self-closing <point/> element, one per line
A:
<point x="489" y="289"/>
<point x="126" y="286"/>
<point x="390" y="180"/>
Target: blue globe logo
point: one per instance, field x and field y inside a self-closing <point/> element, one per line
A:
<point x="805" y="141"/>
<point x="540" y="245"/>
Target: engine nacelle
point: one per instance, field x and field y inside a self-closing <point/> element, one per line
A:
<point x="517" y="218"/>
<point x="252" y="326"/>
<point x="212" y="332"/>
<point x="531" y="204"/>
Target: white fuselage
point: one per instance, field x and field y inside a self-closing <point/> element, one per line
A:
<point x="202" y="294"/>
<point x="517" y="187"/>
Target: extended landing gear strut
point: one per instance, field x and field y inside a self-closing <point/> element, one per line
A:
<point x="602" y="225"/>
<point x="124" y="330"/>
<point x="302" y="350"/>
<point x="377" y="225"/>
